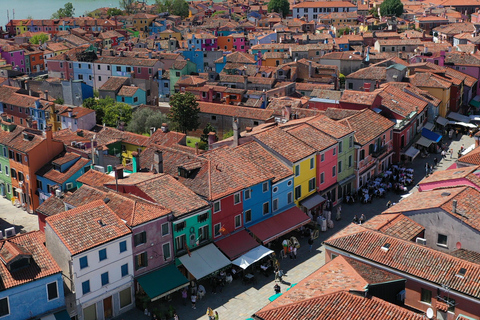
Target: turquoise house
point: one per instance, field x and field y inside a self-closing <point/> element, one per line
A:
<point x="7" y="133"/>
<point x="133" y="96"/>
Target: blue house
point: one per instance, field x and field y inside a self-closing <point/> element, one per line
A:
<point x="83" y="71"/>
<point x="61" y="173"/>
<point x="194" y="43"/>
<point x="39" y="114"/>
<point x="32" y="284"/>
<point x="163" y="80"/>
<point x="157" y="27"/>
<point x="220" y="63"/>
<point x="133" y="96"/>
<point x="195" y="57"/>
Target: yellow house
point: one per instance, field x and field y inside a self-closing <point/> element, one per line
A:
<point x="274" y="59"/>
<point x="435" y="85"/>
<point x="52" y="117"/>
<point x="304" y="182"/>
<point x="167" y="34"/>
<point x="141" y="21"/>
<point x="128" y="149"/>
<point x="57" y="48"/>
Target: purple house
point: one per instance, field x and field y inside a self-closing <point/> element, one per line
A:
<point x="466" y="63"/>
<point x="14" y="55"/>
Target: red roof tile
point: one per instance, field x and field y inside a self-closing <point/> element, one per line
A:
<point x="396" y="225"/>
<point x="368" y="125"/>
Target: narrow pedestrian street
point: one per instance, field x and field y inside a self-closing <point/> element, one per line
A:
<point x="240" y="301"/>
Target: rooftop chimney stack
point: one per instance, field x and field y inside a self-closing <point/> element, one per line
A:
<point x="235" y="132"/>
<point x="158" y="161"/>
<point x="454" y="206"/>
<point x="46" y="95"/>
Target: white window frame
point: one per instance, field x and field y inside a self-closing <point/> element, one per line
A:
<point x="168" y="228"/>
<point x="275" y="204"/>
<point x="8" y="305"/>
<point x="297" y="166"/>
<point x="340" y="147"/>
<point x="322" y="157"/>
<point x="249" y="192"/>
<point x="239" y="216"/>
<point x="169" y="250"/>
<point x="312" y="163"/>
<point x="239" y="195"/>
<point x="46" y="288"/>
<point x="219" y="233"/>
<point x="219" y="206"/>
<point x="263" y="211"/>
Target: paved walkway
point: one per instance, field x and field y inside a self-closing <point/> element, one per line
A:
<point x="11" y="216"/>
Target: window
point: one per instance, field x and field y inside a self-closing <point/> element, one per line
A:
<point x="4" y="307"/>
<point x="83" y="262"/>
<point x="362" y="154"/>
<point x="18" y="157"/>
<point x="426" y="296"/>
<point x="216" y="206"/>
<point x="248" y="216"/>
<point x="340" y="147"/>
<point x="442" y="240"/>
<point x="322" y="157"/>
<point x="289" y="197"/>
<point x="339" y="166"/>
<point x="265" y="187"/>
<point x="266" y="208"/>
<point x="98" y="66"/>
<point x="237" y="198"/>
<point x="238" y="221"/>
<point x="350" y="85"/>
<point x="312" y="163"/>
<point x="140" y="238"/>
<point x="350" y="142"/>
<point x="297" y="170"/>
<point x="322" y="177"/>
<point x="350" y="162"/>
<point x="139" y="70"/>
<point x="248" y="194"/>
<point x="4" y="152"/>
<point x="216" y="229"/>
<point x="104" y="277"/>
<point x="99" y="78"/>
<point x="125" y="297"/>
<point x="275" y="189"/>
<point x="165" y="229"/>
<point x="52" y="291"/>
<point x="123" y="246"/>
<point x="102" y="254"/>
<point x="124" y="269"/>
<point x="119" y="68"/>
<point x="166" y="251"/>
<point x="334" y="151"/>
<point x="298" y="192"/>
<point x="86" y="287"/>
<point x="334" y="171"/>
<point x="275" y="205"/>
<point x="311" y="184"/>
<point x="141" y="261"/>
<point x="177" y="73"/>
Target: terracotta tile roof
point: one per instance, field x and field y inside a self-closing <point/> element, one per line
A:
<point x="462" y="59"/>
<point x="344" y="55"/>
<point x="330" y="127"/>
<point x="455" y="28"/>
<point x="229" y="110"/>
<point x="51" y="206"/>
<point x="416" y="92"/>
<point x="352" y="307"/>
<point x="473" y="157"/>
<point x="359" y="97"/>
<point x="339" y="114"/>
<point x="369" y="73"/>
<point x="67" y="136"/>
<point x="21" y="144"/>
<point x="260" y="156"/>
<point x="396" y="225"/>
<point x="129" y="61"/>
<point x="468" y="255"/>
<point x="87" y="226"/>
<point x="312" y="137"/>
<point x="399" y="102"/>
<point x="48" y="171"/>
<point x="28" y="244"/>
<point x="167" y="139"/>
<point x="106" y="135"/>
<point x="453" y="174"/>
<point x="77" y="112"/>
<point x="285" y="144"/>
<point x="323" y="4"/>
<point x="114" y="84"/>
<point x="368" y="125"/>
<point x="127" y="91"/>
<point x="469" y="80"/>
<point x="95" y="178"/>
<point x="417" y="260"/>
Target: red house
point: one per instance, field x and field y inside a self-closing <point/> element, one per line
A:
<point x="359" y="100"/>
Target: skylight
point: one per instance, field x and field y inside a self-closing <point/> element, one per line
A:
<point x="461" y="273"/>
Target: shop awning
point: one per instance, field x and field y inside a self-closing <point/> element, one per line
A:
<point x="161" y="282"/>
<point x="463" y="124"/>
<point x="204" y="261"/>
<point x="475" y="102"/>
<point x="312" y="201"/>
<point x="412" y="152"/>
<point x="61" y="315"/>
<point x="442" y="121"/>
<point x="280" y="224"/>
<point x="430" y="135"/>
<point x="429" y="126"/>
<point x="458" y="117"/>
<point x="424" y="142"/>
<point x="237" y="244"/>
<point x="251" y="256"/>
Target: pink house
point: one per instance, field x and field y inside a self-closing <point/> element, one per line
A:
<point x="240" y="43"/>
<point x="14" y="56"/>
<point x="465" y="176"/>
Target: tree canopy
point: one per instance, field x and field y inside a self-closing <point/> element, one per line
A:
<point x="114" y="12"/>
<point x="108" y="111"/>
<point x="36" y="39"/>
<point x="279" y="6"/>
<point x="204" y="137"/>
<point x="391" y="8"/>
<point x="175" y="7"/>
<point x="67" y="11"/>
<point x="145" y="118"/>
<point x="184" y="112"/>
<point x="127" y="5"/>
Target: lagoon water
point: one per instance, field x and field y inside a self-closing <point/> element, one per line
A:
<point x="38" y="9"/>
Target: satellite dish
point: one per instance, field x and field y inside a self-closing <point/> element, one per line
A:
<point x="429" y="313"/>
<point x="459" y="245"/>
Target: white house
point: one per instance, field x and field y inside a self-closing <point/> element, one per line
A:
<point x="311" y="10"/>
<point x="93" y="247"/>
<point x="77" y="118"/>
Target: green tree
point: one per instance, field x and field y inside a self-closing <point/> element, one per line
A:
<point x="67" y="11"/>
<point x="163" y="5"/>
<point x="116" y="113"/>
<point x="208" y="128"/>
<point x="145" y="118"/>
<point x="279" y="6"/>
<point x="59" y="101"/>
<point x="114" y="12"/>
<point x="341" y="78"/>
<point x="127" y="5"/>
<point x="175" y="7"/>
<point x="36" y="39"/>
<point x="184" y="112"/>
<point x="391" y="8"/>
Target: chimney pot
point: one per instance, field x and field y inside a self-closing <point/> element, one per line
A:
<point x="158" y="161"/>
<point x="46" y="95"/>
<point x="196" y="147"/>
<point x="454" y="206"/>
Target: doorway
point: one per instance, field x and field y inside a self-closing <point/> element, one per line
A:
<point x="107" y="308"/>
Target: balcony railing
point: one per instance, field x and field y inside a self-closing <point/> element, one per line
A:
<point x="380" y="151"/>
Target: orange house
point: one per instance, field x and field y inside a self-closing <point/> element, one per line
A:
<point x="36" y="61"/>
<point x="225" y="43"/>
<point x="29" y="151"/>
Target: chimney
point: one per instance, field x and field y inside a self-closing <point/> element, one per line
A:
<point x="367" y="86"/>
<point x="164" y="127"/>
<point x="454" y="206"/>
<point x="70" y="112"/>
<point x="119" y="172"/>
<point x="248" y="129"/>
<point x="245" y="82"/>
<point x="235" y="131"/>
<point x="158" y="161"/>
<point x="152" y="130"/>
<point x="30" y="92"/>
<point x="46" y="95"/>
<point x="211" y="139"/>
<point x="150" y="55"/>
<point x="47" y="134"/>
<point x="196" y="147"/>
<point x="309" y="68"/>
<point x="288" y="112"/>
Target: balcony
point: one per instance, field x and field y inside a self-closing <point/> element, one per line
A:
<point x="380" y="151"/>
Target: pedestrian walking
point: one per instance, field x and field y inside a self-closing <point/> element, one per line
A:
<point x="456" y="134"/>
<point x="355" y="219"/>
<point x="184" y="296"/>
<point x="175" y="316"/>
<point x="210" y="314"/>
<point x="216" y="315"/>
<point x="310" y="244"/>
<point x="194" y="301"/>
<point x="427" y="168"/>
<point x="339" y="213"/>
<point x="444" y="153"/>
<point x="451" y="153"/>
<point x="294" y="251"/>
<point x="277" y="288"/>
<point x="290" y="250"/>
<point x="362" y="218"/>
<point x="435" y="161"/>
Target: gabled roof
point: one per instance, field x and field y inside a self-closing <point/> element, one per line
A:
<point x="400" y="102"/>
<point x="87" y="226"/>
<point x="468" y="173"/>
<point x="369" y="73"/>
<point x="329" y="126"/>
<point x="473" y="157"/>
<point x="41" y="266"/>
<point x="128" y="91"/>
<point x="106" y="135"/>
<point x="114" y="83"/>
<point x="49" y="172"/>
<point x="396" y="225"/>
<point x="359" y="97"/>
<point x="312" y="137"/>
<point x="417" y="260"/>
<point x="368" y="125"/>
<point x="95" y="178"/>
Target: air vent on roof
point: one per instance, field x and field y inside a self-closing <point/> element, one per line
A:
<point x="445" y="194"/>
<point x="10" y="232"/>
<point x="461" y="273"/>
<point x="385" y="247"/>
<point x="421" y="241"/>
<point x="106" y="200"/>
<point x="101" y="223"/>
